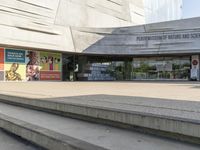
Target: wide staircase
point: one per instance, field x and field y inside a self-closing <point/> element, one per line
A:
<point x="99" y="122"/>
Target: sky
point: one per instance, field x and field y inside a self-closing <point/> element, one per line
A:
<point x="191" y="8"/>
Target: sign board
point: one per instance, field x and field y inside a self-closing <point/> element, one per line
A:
<point x="164" y="67"/>
<point x="168" y="36"/>
<point x="13" y="56"/>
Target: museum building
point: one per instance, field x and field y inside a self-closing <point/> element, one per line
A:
<point x="48" y="42"/>
<point x="160" y="51"/>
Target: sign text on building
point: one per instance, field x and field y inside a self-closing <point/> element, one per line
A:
<point x="169" y="37"/>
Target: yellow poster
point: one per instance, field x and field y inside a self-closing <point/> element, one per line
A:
<point x="15" y="72"/>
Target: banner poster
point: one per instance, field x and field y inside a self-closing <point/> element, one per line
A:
<point x="50" y="75"/>
<point x="15" y="67"/>
<point x="1" y="64"/>
<point x="1" y="75"/>
<point x="32" y="66"/>
<point x="194" y="75"/>
<point x="2" y="59"/>
<point x="50" y="66"/>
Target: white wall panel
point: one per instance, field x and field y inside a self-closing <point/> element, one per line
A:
<point x="44" y="24"/>
<point x="97" y="13"/>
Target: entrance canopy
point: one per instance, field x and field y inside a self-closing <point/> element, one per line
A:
<point x="173" y="37"/>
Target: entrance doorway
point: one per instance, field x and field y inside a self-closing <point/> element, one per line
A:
<point x="68" y="67"/>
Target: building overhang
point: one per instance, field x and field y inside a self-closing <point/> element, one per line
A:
<point x="173" y="37"/>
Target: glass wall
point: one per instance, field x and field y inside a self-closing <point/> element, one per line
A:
<point x="113" y="68"/>
<point x="161" y="68"/>
<point x="104" y="68"/>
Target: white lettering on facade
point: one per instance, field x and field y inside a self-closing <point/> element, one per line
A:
<point x="168" y="37"/>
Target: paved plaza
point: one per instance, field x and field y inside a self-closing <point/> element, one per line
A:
<point x="188" y="91"/>
<point x="174" y="99"/>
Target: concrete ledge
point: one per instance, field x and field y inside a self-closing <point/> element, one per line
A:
<point x="43" y="137"/>
<point x="178" y="128"/>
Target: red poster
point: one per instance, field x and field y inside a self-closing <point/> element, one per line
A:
<point x="50" y="76"/>
<point x="1" y="58"/>
<point x="1" y="66"/>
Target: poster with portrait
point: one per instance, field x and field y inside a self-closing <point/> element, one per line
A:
<point x="50" y="64"/>
<point x="32" y="66"/>
<point x="15" y="67"/>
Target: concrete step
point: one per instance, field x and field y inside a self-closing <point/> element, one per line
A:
<point x="11" y="142"/>
<point x="61" y="133"/>
<point x="174" y="119"/>
<point x="43" y="137"/>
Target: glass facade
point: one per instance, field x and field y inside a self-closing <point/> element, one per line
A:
<point x="128" y="68"/>
<point x="97" y="68"/>
<point x="161" y="68"/>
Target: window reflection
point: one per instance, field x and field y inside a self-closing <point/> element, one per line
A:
<point x="128" y="68"/>
<point x="161" y="68"/>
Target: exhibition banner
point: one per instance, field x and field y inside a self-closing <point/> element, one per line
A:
<point x="1" y="55"/>
<point x="12" y="56"/>
<point x="50" y="61"/>
<point x="26" y="65"/>
<point x="15" y="68"/>
<point x="2" y="59"/>
<point x="1" y="66"/>
<point x="15" y="72"/>
<point x="50" y="64"/>
<point x="46" y="75"/>
<point x="1" y="75"/>
<point x="32" y="66"/>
